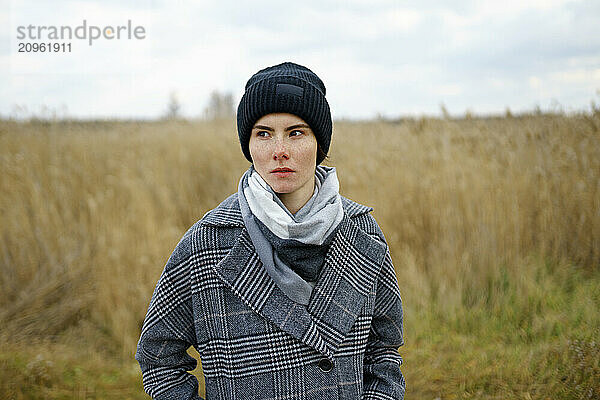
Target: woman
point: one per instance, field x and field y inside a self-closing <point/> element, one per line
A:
<point x="286" y="289"/>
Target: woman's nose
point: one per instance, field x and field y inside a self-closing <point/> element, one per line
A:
<point x="280" y="152"/>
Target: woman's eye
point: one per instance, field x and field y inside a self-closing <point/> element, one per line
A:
<point x="262" y="134"/>
<point x="296" y="133"/>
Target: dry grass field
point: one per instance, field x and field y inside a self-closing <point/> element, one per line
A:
<point x="493" y="225"/>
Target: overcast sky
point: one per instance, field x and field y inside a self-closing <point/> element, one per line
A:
<point x="384" y="57"/>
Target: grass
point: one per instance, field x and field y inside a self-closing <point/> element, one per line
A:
<point x="539" y="346"/>
<point x="493" y="225"/>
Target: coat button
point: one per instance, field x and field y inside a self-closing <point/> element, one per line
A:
<point x="325" y="364"/>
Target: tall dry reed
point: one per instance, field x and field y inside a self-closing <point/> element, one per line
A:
<point x="91" y="211"/>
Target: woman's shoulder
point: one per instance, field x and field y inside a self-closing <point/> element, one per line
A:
<point x="362" y="216"/>
<point x="227" y="213"/>
<point x="354" y="209"/>
<point x="198" y="237"/>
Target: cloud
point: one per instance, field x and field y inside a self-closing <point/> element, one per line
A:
<point x="382" y="56"/>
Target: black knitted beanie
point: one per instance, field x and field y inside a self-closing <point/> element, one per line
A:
<point x="285" y="88"/>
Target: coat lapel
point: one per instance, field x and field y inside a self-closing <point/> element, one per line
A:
<point x="243" y="272"/>
<point x="351" y="267"/>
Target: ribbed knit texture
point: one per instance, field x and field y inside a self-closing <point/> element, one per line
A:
<point x="306" y="100"/>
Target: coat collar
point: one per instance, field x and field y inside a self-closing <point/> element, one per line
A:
<point x="352" y="264"/>
<point x="228" y="212"/>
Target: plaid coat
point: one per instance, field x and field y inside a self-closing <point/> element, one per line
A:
<point x="256" y="343"/>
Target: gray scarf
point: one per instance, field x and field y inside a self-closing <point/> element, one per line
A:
<point x="292" y="247"/>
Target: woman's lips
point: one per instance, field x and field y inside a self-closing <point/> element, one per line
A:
<point x="282" y="172"/>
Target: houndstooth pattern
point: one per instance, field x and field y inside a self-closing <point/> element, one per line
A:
<point x="256" y="343"/>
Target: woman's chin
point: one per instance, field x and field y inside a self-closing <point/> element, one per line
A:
<point x="281" y="187"/>
<point x="279" y="190"/>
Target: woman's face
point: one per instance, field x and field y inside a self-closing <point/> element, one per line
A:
<point x="284" y="153"/>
